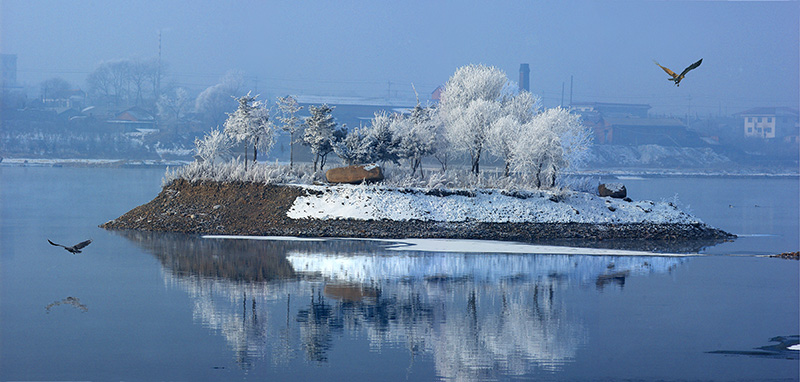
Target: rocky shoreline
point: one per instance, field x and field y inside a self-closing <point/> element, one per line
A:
<point x="243" y="208"/>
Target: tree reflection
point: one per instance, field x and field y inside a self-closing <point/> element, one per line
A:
<point x="476" y="316"/>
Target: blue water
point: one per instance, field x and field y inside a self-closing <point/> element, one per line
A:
<point x="174" y="307"/>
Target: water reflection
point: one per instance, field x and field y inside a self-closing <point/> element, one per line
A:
<point x="476" y="316"/>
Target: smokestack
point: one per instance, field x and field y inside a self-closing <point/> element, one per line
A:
<point x="524" y="77"/>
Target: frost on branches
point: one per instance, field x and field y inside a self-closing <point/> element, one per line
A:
<point x="417" y="133"/>
<point x="291" y="124"/>
<point x="480" y="112"/>
<point x="214" y="145"/>
<point x="321" y="134"/>
<point x="250" y="125"/>
<point x="470" y="105"/>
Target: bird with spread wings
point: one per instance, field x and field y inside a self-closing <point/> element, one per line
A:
<point x="678" y="77"/>
<point x="75" y="248"/>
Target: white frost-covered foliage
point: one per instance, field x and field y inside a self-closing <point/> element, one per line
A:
<point x="471" y="103"/>
<point x="550" y="141"/>
<point x="288" y="108"/>
<point x="321" y="133"/>
<point x="232" y="171"/>
<point x="354" y="147"/>
<point x="250" y="125"/>
<point x="517" y="111"/>
<point x="417" y="134"/>
<point x="480" y="112"/>
<point x="380" y="141"/>
<point x="214" y="145"/>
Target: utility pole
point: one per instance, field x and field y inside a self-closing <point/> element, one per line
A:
<point x="562" y="93"/>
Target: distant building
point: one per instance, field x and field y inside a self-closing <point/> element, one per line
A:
<point x="643" y="131"/>
<point x="72" y="98"/>
<point x="770" y="123"/>
<point x="134" y="119"/>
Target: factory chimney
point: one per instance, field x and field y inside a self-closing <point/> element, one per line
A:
<point x="524" y="77"/>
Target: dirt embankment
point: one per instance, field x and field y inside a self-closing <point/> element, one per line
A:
<point x="241" y="208"/>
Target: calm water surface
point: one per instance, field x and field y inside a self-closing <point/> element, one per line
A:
<point x="144" y="306"/>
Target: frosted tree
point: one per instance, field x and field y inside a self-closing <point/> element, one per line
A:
<point x="550" y="141"/>
<point x="534" y="150"/>
<point x="469" y="130"/>
<point x="354" y="148"/>
<point x="382" y="140"/>
<point x="517" y="110"/>
<point x="417" y="137"/>
<point x="441" y="144"/>
<point x="250" y="125"/>
<point x="321" y="133"/>
<point x="575" y="138"/>
<point x="214" y="145"/>
<point x="471" y="103"/>
<point x="291" y="123"/>
<point x="213" y="102"/>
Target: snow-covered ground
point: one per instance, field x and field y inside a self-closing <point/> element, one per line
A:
<point x="364" y="203"/>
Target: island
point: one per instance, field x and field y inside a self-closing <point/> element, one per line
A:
<point x="374" y="211"/>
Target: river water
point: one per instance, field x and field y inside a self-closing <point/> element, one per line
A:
<point x="146" y="306"/>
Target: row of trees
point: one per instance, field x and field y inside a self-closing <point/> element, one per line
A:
<point x="132" y="82"/>
<point x="480" y="112"/>
<point x="128" y="82"/>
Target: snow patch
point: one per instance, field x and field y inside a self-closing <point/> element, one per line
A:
<point x="365" y="203"/>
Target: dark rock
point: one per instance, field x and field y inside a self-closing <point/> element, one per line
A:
<point x="357" y="174"/>
<point x="614" y="190"/>
<point x="788" y="255"/>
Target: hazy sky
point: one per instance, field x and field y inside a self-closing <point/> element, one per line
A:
<point x="750" y="50"/>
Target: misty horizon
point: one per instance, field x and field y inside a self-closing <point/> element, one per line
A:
<point x="580" y="50"/>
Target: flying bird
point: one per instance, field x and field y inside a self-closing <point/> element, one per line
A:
<point x="75" y="248"/>
<point x="678" y="77"/>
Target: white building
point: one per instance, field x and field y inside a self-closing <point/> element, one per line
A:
<point x="770" y="123"/>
